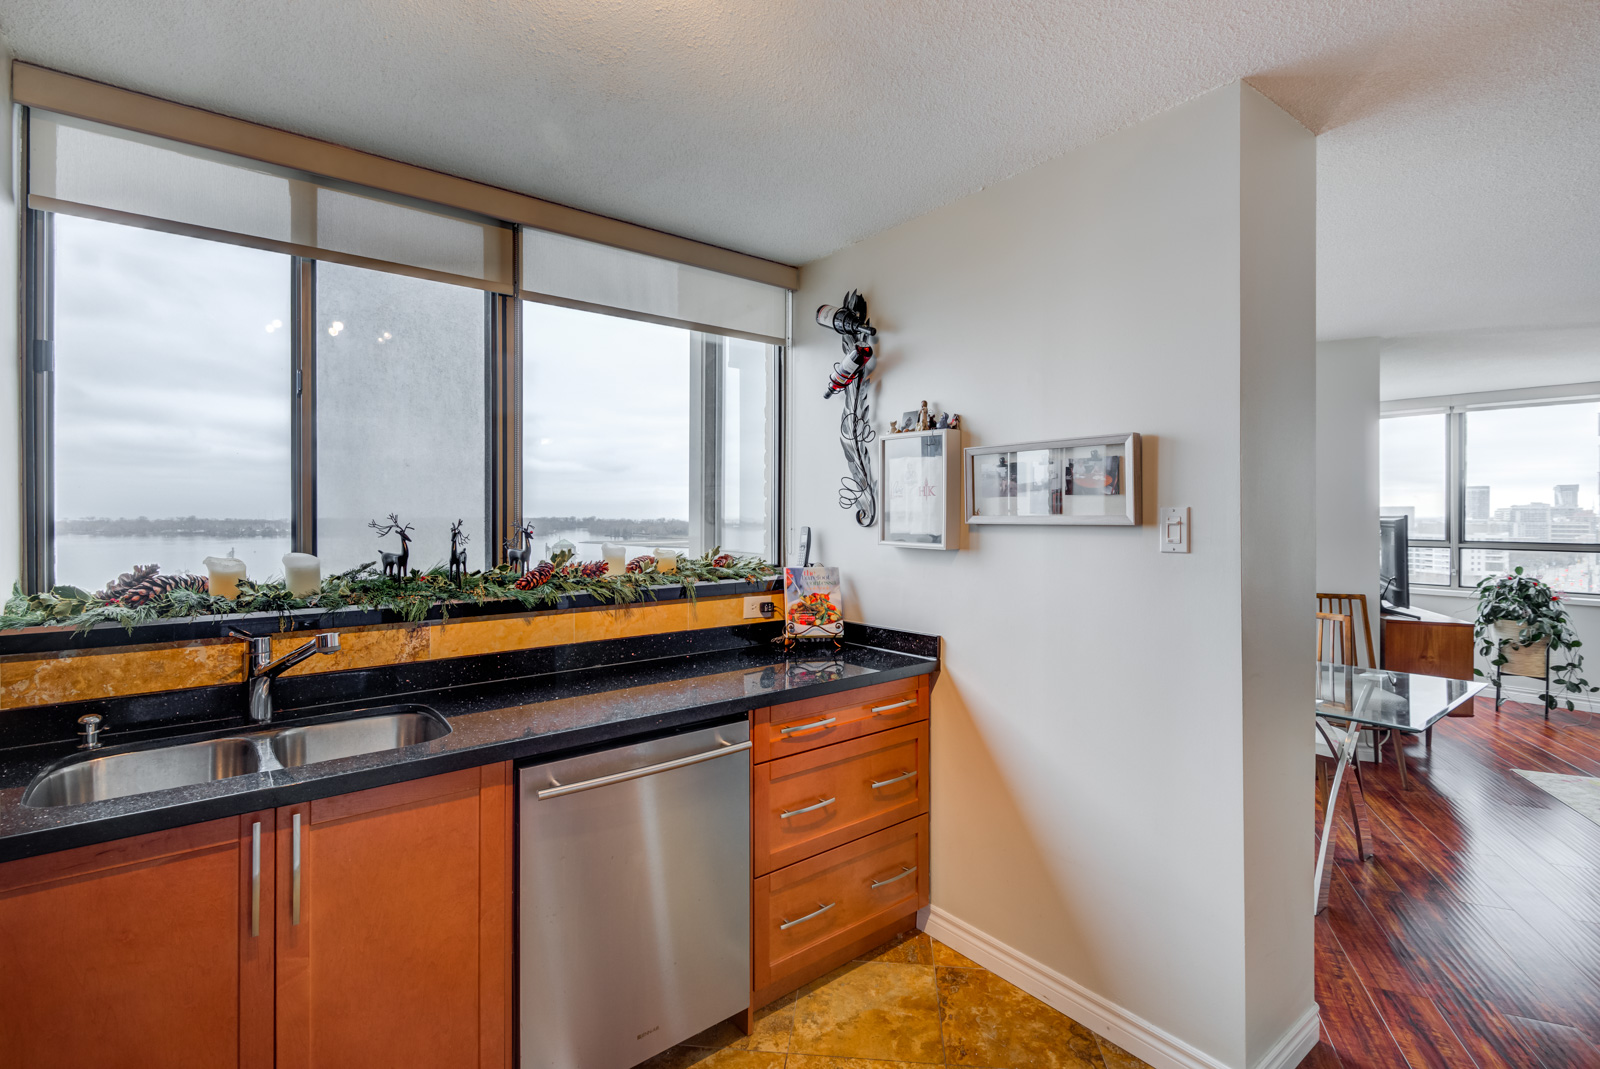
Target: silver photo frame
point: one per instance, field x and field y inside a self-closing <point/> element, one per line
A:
<point x="1066" y="482"/>
<point x="920" y="490"/>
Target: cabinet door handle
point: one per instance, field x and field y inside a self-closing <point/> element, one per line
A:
<point x="897" y="705"/>
<point x="801" y="920"/>
<point x="892" y="879"/>
<point x="807" y="727"/>
<point x="255" y="879"/>
<point x="807" y="809"/>
<point x="294" y="874"/>
<point x="897" y="779"/>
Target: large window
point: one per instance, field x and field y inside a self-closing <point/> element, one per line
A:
<point x="172" y="402"/>
<point x="400" y="415"/>
<point x="1494" y="487"/>
<point x="646" y="435"/>
<point x="229" y="356"/>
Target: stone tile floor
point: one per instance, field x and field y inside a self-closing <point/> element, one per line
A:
<point x="911" y="1001"/>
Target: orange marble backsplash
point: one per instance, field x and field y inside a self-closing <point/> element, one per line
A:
<point x="28" y="680"/>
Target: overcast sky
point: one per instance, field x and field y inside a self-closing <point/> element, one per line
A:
<point x="1521" y="454"/>
<point x="172" y="389"/>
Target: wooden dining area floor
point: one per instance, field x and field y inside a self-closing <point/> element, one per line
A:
<point x="1472" y="937"/>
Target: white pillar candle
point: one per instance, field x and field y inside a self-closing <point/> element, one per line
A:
<point x="615" y="556"/>
<point x="225" y="575"/>
<point x="666" y="561"/>
<point x="303" y="573"/>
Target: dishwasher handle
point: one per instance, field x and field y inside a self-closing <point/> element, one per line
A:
<point x="639" y="773"/>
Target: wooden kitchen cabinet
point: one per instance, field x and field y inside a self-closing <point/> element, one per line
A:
<point x="140" y="952"/>
<point x="394" y="938"/>
<point x="396" y="951"/>
<point x="839" y="830"/>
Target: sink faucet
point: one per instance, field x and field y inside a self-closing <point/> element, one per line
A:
<point x="260" y="669"/>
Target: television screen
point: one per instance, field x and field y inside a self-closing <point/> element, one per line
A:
<point x="1393" y="555"/>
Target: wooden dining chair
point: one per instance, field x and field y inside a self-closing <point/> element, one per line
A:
<point x="1336" y="645"/>
<point x="1330" y="608"/>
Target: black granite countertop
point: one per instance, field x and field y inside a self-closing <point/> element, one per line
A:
<point x="497" y="708"/>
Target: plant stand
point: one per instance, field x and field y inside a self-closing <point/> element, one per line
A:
<point x="1521" y="661"/>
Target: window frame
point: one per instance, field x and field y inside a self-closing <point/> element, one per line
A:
<point x="1456" y="409"/>
<point x="503" y="356"/>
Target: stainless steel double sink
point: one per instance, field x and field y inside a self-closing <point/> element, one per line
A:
<point x="97" y="777"/>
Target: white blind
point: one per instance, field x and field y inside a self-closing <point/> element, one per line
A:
<point x="587" y="273"/>
<point x="86" y="168"/>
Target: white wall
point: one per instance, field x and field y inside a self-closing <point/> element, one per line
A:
<point x="1347" y="472"/>
<point x="10" y="404"/>
<point x="1108" y="714"/>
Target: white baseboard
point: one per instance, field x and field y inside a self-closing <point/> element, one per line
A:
<point x="1124" y="1028"/>
<point x="1519" y="689"/>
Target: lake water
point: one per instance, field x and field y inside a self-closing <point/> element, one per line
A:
<point x="92" y="561"/>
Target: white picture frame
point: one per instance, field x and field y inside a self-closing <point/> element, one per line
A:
<point x="1062" y="482"/>
<point x="919" y="504"/>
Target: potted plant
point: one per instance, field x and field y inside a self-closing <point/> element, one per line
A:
<point x="1520" y="623"/>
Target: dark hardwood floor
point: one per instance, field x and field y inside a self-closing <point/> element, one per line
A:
<point x="1472" y="938"/>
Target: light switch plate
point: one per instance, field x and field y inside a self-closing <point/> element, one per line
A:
<point x="752" y="607"/>
<point x="1174" y="530"/>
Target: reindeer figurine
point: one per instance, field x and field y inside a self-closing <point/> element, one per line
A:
<point x="519" y="559"/>
<point x="395" y="564"/>
<point x="458" y="553"/>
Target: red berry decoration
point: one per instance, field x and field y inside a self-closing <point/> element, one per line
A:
<point x="722" y="561"/>
<point x="593" y="569"/>
<point x="535" y="577"/>
<point x="640" y="564"/>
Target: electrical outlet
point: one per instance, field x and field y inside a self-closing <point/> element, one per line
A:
<point x="761" y="607"/>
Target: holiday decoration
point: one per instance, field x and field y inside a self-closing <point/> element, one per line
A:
<point x="394" y="564"/>
<point x="143" y="584"/>
<point x="537" y="576"/>
<point x="144" y="595"/>
<point x="640" y="564"/>
<point x="517" y="558"/>
<point x="458" y="552"/>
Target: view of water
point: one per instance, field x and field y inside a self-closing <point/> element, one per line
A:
<point x="92" y="561"/>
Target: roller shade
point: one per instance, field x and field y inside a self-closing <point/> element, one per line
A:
<point x="85" y="168"/>
<point x="589" y="275"/>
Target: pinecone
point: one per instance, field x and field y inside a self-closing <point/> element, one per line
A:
<point x="593" y="569"/>
<point x="642" y="564"/>
<point x="722" y="561"/>
<point x="159" y="586"/>
<point x="127" y="581"/>
<point x="537" y="576"/>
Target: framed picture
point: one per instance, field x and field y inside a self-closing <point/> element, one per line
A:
<point x="1065" y="481"/>
<point x="920" y="506"/>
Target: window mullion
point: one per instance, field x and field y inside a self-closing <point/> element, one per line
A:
<point x="502" y="425"/>
<point x="303" y="403"/>
<point x="37" y="358"/>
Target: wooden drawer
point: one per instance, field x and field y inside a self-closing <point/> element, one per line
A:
<point x="781" y="730"/>
<point x="835" y="891"/>
<point x="830" y="796"/>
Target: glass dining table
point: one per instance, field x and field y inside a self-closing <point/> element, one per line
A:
<point x="1351" y="700"/>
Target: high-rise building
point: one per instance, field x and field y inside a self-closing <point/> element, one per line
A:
<point x="1478" y="503"/>
<point x="1566" y="495"/>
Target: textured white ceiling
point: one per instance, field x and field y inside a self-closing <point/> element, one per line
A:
<point x="1459" y="150"/>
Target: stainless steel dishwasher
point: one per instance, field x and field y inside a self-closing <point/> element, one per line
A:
<point x="634" y="915"/>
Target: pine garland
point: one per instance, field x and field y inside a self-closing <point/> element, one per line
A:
<point x="411" y="596"/>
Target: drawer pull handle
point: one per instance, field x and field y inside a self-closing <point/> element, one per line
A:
<point x="897" y="779"/>
<point x="883" y="883"/>
<point x="896" y="705"/>
<point x="807" y="809"/>
<point x="801" y="920"/>
<point x="807" y="727"/>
